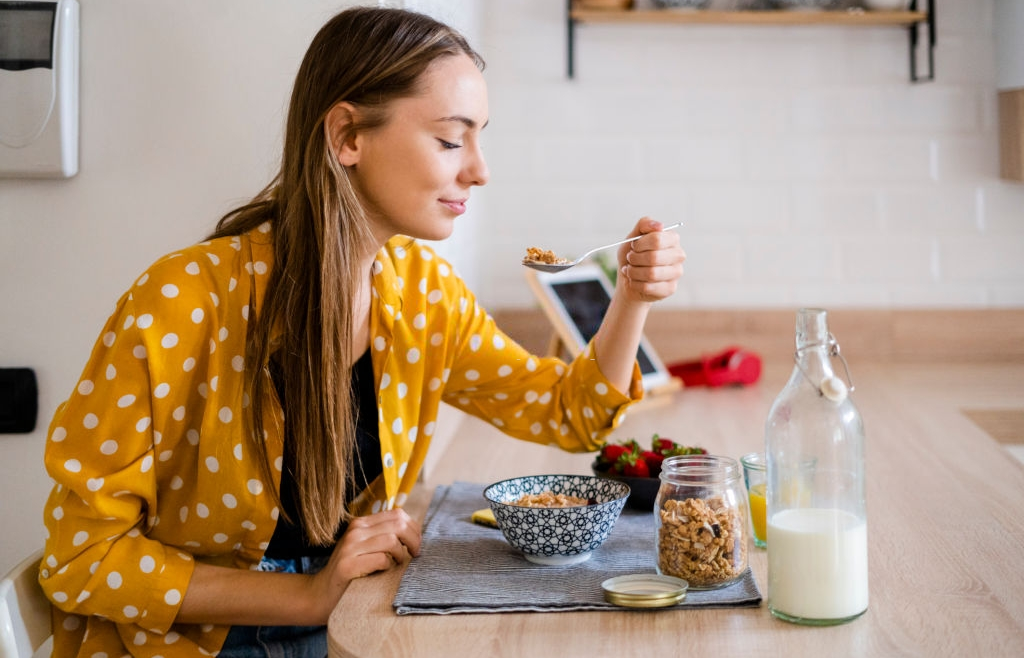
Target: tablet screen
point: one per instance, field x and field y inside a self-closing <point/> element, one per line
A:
<point x="586" y="301"/>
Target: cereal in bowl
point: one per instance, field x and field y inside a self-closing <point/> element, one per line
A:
<point x="549" y="499"/>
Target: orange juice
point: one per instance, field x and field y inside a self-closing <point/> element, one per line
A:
<point x="757" y="513"/>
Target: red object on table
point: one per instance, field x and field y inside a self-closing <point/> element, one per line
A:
<point x="734" y="366"/>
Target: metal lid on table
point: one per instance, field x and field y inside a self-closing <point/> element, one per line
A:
<point x="646" y="590"/>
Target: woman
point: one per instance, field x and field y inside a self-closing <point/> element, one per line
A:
<point x="260" y="404"/>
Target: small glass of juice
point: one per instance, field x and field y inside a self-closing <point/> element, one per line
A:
<point x="755" y="476"/>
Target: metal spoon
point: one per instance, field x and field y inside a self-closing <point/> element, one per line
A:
<point x="560" y="267"/>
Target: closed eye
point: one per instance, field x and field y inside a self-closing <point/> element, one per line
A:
<point x="449" y="145"/>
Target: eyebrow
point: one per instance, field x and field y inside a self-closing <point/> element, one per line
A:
<point x="469" y="123"/>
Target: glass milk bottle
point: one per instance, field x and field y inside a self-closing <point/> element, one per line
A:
<point x="817" y="522"/>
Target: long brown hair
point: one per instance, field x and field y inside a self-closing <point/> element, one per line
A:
<point x="367" y="57"/>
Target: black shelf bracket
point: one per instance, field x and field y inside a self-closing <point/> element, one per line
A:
<point x="570" y="56"/>
<point x="915" y="38"/>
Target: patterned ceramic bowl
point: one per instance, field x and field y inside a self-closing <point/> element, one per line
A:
<point x="557" y="535"/>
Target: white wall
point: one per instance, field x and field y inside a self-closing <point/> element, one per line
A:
<point x="1009" y="37"/>
<point x="807" y="168"/>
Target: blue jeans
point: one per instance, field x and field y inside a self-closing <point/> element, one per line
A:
<point x="279" y="641"/>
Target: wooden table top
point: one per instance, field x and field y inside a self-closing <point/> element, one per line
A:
<point x="945" y="533"/>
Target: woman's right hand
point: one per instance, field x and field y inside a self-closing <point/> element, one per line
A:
<point x="370" y="544"/>
<point x="226" y="595"/>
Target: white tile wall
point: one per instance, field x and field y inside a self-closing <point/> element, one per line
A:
<point x="807" y="167"/>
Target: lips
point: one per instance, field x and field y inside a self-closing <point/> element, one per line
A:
<point x="457" y="206"/>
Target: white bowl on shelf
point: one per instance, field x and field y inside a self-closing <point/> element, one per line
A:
<point x="682" y="4"/>
<point x="807" y="5"/>
<point x="887" y="5"/>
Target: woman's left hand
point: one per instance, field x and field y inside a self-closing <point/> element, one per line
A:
<point x="649" y="268"/>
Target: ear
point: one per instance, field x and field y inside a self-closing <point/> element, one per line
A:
<point x="339" y="129"/>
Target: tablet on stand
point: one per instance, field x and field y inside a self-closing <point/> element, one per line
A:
<point x="575" y="301"/>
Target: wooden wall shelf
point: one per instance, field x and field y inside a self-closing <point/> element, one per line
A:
<point x="1011" y="134"/>
<point x="709" y="17"/>
<point x="910" y="20"/>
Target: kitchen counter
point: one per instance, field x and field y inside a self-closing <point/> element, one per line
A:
<point x="945" y="532"/>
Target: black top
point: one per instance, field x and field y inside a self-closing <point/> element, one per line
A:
<point x="289" y="540"/>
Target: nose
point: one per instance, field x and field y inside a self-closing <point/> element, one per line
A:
<point x="475" y="171"/>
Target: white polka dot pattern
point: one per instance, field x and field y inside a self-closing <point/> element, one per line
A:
<point x="153" y="431"/>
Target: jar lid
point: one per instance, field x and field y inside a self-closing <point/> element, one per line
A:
<point x="645" y="590"/>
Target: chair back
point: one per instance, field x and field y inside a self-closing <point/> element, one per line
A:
<point x="24" y="611"/>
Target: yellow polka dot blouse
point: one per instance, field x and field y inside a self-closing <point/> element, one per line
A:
<point x="148" y="454"/>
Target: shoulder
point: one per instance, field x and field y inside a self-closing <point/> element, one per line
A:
<point x="195" y="260"/>
<point x="201" y="273"/>
<point x="195" y="296"/>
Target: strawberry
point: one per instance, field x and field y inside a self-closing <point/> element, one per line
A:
<point x="635" y="466"/>
<point x="611" y="453"/>
<point x="632" y="445"/>
<point x="630" y="458"/>
<point x="661" y="445"/>
<point x="686" y="450"/>
<point x="653" y="460"/>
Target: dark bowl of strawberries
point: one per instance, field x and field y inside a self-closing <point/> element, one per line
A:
<point x="639" y="467"/>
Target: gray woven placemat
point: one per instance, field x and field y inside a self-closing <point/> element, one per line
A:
<point x="468" y="568"/>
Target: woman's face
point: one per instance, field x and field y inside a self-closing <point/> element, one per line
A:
<point x="414" y="174"/>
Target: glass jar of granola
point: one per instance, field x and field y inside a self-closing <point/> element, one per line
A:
<point x="701" y="519"/>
